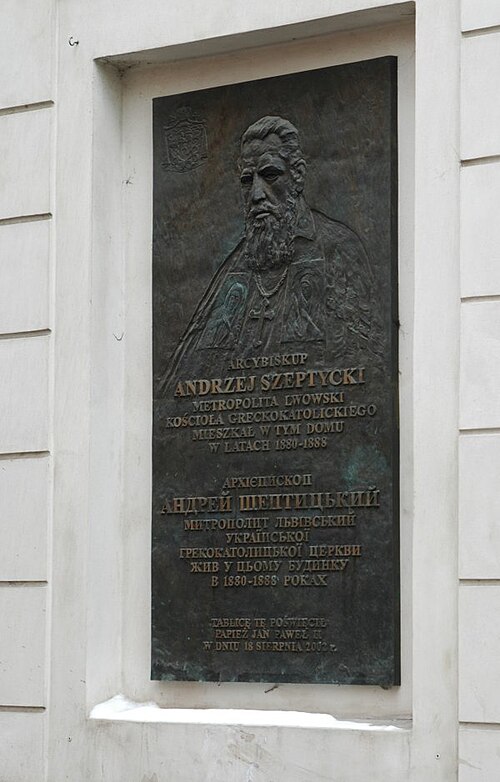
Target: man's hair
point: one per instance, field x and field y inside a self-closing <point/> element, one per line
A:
<point x="284" y="129"/>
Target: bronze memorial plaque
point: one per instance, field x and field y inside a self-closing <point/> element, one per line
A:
<point x="275" y="413"/>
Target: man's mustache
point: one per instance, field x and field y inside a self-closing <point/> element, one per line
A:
<point x="263" y="211"/>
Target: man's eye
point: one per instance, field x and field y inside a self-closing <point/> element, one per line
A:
<point x="246" y="180"/>
<point x="270" y="174"/>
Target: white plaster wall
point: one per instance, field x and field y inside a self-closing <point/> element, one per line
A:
<point x="479" y="659"/>
<point x="24" y="488"/>
<point x="24" y="394"/>
<point x="25" y="289"/>
<point x="22" y="739"/>
<point x="114" y="488"/>
<point x="26" y="39"/>
<point x="256" y="754"/>
<point x="479" y="568"/>
<point x="73" y="577"/>
<point x="479" y="753"/>
<point x="480" y="14"/>
<point x="22" y="658"/>
<point x="480" y="229"/>
<point x="479" y="511"/>
<point x="480" y="105"/>
<point x="25" y="153"/>
<point x="479" y="388"/>
<point x="27" y="45"/>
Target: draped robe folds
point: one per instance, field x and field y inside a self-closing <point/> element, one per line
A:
<point x="325" y="306"/>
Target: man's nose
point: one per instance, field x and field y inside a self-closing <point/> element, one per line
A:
<point x="257" y="192"/>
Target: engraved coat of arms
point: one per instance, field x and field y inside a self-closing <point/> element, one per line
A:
<point x="185" y="142"/>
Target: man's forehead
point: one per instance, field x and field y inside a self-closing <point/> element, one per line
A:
<point x="259" y="151"/>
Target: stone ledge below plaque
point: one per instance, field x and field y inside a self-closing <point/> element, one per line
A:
<point x="120" y="709"/>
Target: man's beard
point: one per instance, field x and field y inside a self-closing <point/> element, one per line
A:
<point x="269" y="240"/>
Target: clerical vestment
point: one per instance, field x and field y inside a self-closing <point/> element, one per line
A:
<point x="321" y="304"/>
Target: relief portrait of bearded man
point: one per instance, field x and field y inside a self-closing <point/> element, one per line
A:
<point x="298" y="281"/>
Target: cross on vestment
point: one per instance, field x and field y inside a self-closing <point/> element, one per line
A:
<point x="265" y="313"/>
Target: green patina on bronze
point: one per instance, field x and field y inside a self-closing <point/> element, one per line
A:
<point x="275" y="508"/>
